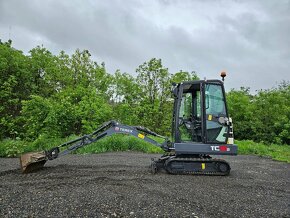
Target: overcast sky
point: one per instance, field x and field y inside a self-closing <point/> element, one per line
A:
<point x="250" y="40"/>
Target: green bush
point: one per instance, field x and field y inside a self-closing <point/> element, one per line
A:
<point x="13" y="148"/>
<point x="263" y="117"/>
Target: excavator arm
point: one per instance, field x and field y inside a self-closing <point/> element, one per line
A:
<point x="33" y="161"/>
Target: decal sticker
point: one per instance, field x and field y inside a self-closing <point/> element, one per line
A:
<point x="141" y="136"/>
<point x="222" y="148"/>
<point x="123" y="129"/>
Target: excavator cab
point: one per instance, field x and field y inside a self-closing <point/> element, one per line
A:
<point x="200" y="118"/>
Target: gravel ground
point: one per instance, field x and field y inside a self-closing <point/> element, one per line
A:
<point x="121" y="185"/>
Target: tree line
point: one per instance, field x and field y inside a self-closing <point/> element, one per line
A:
<point x="60" y="95"/>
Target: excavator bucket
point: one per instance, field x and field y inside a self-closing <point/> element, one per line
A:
<point x="32" y="161"/>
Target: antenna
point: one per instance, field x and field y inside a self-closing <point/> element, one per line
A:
<point x="9" y="32"/>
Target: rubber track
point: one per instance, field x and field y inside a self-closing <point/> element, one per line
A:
<point x="213" y="173"/>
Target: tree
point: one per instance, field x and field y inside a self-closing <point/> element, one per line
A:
<point x="16" y="84"/>
<point x="184" y="76"/>
<point x="126" y="89"/>
<point x="154" y="81"/>
<point x="78" y="98"/>
<point x="126" y="98"/>
<point x="45" y="73"/>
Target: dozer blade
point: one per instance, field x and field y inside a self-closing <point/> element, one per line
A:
<point x="32" y="161"/>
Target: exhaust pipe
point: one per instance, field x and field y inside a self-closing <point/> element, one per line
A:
<point x="32" y="161"/>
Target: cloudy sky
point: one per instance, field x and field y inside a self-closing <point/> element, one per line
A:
<point x="248" y="39"/>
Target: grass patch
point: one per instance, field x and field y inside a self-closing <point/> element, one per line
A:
<point x="274" y="151"/>
<point x="119" y="143"/>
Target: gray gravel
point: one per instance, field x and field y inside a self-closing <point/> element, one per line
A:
<point x="120" y="185"/>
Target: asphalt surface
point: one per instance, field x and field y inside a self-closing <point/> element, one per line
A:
<point x="121" y="185"/>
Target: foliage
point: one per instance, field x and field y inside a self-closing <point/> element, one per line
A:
<point x="12" y="148"/>
<point x="15" y="86"/>
<point x="153" y="79"/>
<point x="241" y="110"/>
<point x="263" y="117"/>
<point x="272" y="110"/>
<point x="183" y="76"/>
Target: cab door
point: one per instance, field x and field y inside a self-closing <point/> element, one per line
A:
<point x="215" y="113"/>
<point x="187" y="116"/>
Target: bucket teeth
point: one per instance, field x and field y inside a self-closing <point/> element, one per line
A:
<point x="32" y="161"/>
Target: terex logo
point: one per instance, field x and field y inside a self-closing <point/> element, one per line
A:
<point x="123" y="129"/>
<point x="219" y="148"/>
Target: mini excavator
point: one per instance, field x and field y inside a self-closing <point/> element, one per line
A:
<point x="201" y="127"/>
